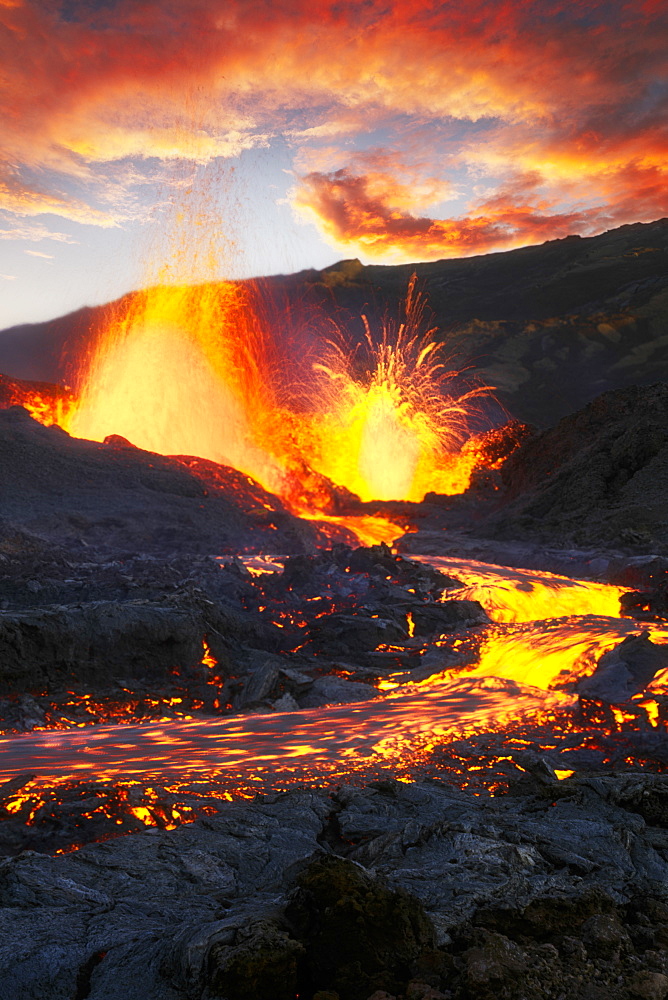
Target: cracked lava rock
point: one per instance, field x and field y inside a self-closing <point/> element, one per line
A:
<point x="390" y="890"/>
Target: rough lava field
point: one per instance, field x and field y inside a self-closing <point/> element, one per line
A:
<point x="385" y="750"/>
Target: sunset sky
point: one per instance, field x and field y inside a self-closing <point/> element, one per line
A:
<point x="292" y="134"/>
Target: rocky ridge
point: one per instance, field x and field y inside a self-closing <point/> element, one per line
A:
<point x="113" y="497"/>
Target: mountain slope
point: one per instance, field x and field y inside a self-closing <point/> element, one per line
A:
<point x="550" y="327"/>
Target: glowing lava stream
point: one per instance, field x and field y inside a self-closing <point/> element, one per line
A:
<point x="323" y="739"/>
<point x="519" y="663"/>
<point x="552" y="629"/>
<point x="511" y="594"/>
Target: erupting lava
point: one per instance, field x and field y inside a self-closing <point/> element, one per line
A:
<point x="396" y="432"/>
<point x="191" y="370"/>
<point x="191" y="366"/>
<point x="180" y="372"/>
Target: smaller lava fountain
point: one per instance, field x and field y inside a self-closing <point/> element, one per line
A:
<point x="396" y="432"/>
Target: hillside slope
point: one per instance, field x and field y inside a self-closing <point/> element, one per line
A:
<point x="551" y="326"/>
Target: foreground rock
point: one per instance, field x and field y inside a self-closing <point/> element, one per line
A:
<point x="80" y="494"/>
<point x="414" y="891"/>
<point x="625" y="670"/>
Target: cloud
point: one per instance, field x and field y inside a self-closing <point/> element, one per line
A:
<point x="8" y="277"/>
<point x="22" y="198"/>
<point x="567" y="93"/>
<point x="35" y="233"/>
<point x="38" y="253"/>
<point x="356" y="215"/>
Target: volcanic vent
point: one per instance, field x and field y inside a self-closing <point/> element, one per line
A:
<point x="143" y="588"/>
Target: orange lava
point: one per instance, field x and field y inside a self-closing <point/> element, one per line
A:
<point x="192" y="370"/>
<point x="325" y="741"/>
<point x="364" y="529"/>
<point x="183" y="370"/>
<point x="49" y="404"/>
<point x="554" y="653"/>
<point x="511" y="594"/>
<point x="396" y="430"/>
<point x="550" y="630"/>
<point x="521" y="670"/>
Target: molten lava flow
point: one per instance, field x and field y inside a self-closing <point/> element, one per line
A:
<point x="551" y="630"/>
<point x="554" y="629"/>
<point x="471" y="724"/>
<point x="338" y="739"/>
<point x="511" y="594"/>
<point x="362" y="529"/>
<point x="554" y="653"/>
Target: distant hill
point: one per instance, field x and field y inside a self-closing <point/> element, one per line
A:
<point x="551" y="326"/>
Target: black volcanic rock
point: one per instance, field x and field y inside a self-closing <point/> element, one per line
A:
<point x="624" y="670"/>
<point x="94" y="643"/>
<point x="427" y="890"/>
<point x="647" y="604"/>
<point x="359" y="935"/>
<point x="599" y="476"/>
<point x="79" y="494"/>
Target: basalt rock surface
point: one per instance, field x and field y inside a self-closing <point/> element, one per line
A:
<point x="409" y="891"/>
<point x="138" y="628"/>
<point x="625" y="670"/>
<point x="598" y="476"/>
<point x="120" y="500"/>
<point x="648" y="605"/>
<point x="586" y="497"/>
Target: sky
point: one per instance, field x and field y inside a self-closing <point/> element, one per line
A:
<point x="277" y="135"/>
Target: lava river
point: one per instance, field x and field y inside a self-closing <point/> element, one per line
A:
<point x="548" y="631"/>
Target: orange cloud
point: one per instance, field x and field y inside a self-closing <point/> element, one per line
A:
<point x="567" y="92"/>
<point x="355" y="217"/>
<point x="24" y="200"/>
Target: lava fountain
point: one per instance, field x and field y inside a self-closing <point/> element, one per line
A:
<point x="195" y="365"/>
<point x="191" y="370"/>
<point x="395" y="432"/>
<point x="179" y="371"/>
